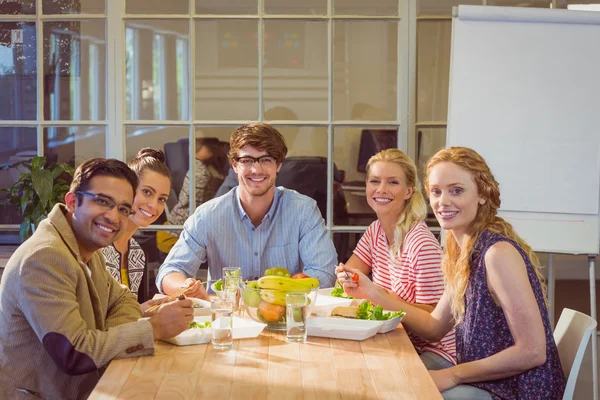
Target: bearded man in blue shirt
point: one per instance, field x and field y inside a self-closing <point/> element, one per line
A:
<point x="254" y="226"/>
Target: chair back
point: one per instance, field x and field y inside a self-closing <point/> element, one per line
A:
<point x="572" y="335"/>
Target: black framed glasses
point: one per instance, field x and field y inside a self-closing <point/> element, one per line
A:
<point x="106" y="202"/>
<point x="248" y="161"/>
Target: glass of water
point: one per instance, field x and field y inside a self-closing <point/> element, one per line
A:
<point x="295" y="318"/>
<point x="222" y="323"/>
<point x="232" y="280"/>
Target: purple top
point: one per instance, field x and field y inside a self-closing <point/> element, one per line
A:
<point x="484" y="332"/>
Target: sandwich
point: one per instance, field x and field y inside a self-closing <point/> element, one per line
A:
<point x="345" y="312"/>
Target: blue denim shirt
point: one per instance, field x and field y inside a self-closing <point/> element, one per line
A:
<point x="292" y="235"/>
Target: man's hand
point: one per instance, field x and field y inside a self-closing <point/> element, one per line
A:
<point x="197" y="289"/>
<point x="443" y="378"/>
<point x="172" y="318"/>
<point x="150" y="303"/>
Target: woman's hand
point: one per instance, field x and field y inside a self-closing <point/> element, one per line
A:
<point x="147" y="304"/>
<point x="355" y="283"/>
<point x="444" y="379"/>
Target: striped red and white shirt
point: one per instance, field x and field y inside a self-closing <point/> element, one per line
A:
<point x="416" y="276"/>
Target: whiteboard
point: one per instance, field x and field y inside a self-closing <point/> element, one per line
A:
<point x="525" y="94"/>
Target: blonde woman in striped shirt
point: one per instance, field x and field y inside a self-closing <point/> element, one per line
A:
<point x="399" y="250"/>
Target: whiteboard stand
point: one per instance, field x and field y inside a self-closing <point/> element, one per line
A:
<point x="592" y="259"/>
<point x="551" y="282"/>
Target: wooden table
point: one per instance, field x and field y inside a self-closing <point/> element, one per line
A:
<point x="268" y="367"/>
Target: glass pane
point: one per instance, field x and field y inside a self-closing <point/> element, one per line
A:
<point x="226" y="78"/>
<point x="361" y="7"/>
<point x="157" y="7"/>
<point x="157" y="69"/>
<point x="14" y="7"/>
<point x="345" y="243"/>
<point x="352" y="148"/>
<point x="232" y="7"/>
<point x="305" y="167"/>
<point x="365" y="70"/>
<point x="295" y="73"/>
<point x="429" y="142"/>
<point x="139" y="137"/>
<point x="74" y="144"/>
<point x="433" y="69"/>
<point x="75" y="70"/>
<point x="441" y="7"/>
<point x="307" y="7"/>
<point x="73" y="7"/>
<point x="517" y="3"/>
<point x="583" y="5"/>
<point x="17" y="144"/>
<point x="212" y="146"/>
<point x="18" y="71"/>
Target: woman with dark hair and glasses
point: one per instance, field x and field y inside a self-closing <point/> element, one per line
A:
<point x="125" y="259"/>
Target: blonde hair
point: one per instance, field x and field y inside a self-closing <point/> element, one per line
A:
<point x="456" y="265"/>
<point x="415" y="208"/>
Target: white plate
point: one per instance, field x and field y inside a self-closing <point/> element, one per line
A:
<point x="342" y="328"/>
<point x="204" y="307"/>
<point x="390" y="324"/>
<point x="242" y="329"/>
<point x="326" y="302"/>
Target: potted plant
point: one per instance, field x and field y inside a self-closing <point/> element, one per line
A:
<point x="38" y="189"/>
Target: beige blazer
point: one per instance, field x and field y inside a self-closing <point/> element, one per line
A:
<point x="60" y="324"/>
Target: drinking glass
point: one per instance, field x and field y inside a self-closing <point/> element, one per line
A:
<point x="232" y="280"/>
<point x="222" y="323"/>
<point x="295" y="319"/>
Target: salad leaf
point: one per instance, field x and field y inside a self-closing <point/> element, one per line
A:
<point x="219" y="285"/>
<point x="195" y="324"/>
<point x="368" y="311"/>
<point x="364" y="310"/>
<point x="338" y="291"/>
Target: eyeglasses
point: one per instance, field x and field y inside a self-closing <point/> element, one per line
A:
<point x="248" y="162"/>
<point x="106" y="202"/>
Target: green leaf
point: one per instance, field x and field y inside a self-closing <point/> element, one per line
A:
<point x="24" y="203"/>
<point x="42" y="184"/>
<point x="25" y="230"/>
<point x="56" y="172"/>
<point x="67" y="168"/>
<point x="37" y="163"/>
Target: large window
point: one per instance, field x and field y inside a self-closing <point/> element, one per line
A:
<point x="53" y="68"/>
<point x="340" y="79"/>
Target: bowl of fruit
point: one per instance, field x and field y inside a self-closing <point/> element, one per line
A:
<point x="265" y="298"/>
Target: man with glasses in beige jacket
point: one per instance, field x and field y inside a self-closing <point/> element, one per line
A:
<point x="62" y="316"/>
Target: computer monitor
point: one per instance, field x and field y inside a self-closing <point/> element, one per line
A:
<point x="372" y="141"/>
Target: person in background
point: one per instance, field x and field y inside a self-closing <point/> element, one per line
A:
<point x="208" y="180"/>
<point x="255" y="226"/>
<point x="63" y="318"/>
<point x="494" y="296"/>
<point x="399" y="250"/>
<point x="125" y="259"/>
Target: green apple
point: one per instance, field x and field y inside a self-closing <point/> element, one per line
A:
<point x="252" y="294"/>
<point x="299" y="314"/>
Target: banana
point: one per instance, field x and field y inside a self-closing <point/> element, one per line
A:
<point x="273" y="297"/>
<point x="277" y="297"/>
<point x="287" y="284"/>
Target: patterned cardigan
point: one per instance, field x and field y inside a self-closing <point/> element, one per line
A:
<point x="62" y="321"/>
<point x="136" y="264"/>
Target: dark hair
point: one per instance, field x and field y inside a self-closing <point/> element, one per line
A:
<point x="150" y="159"/>
<point x="211" y="142"/>
<point x="260" y="136"/>
<point x="101" y="167"/>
